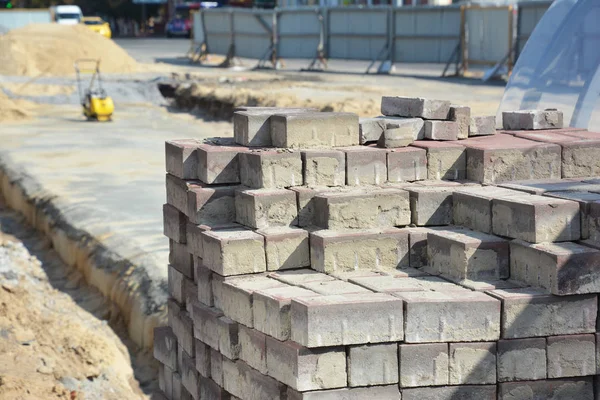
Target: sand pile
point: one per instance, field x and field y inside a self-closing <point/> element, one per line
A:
<point x="51" y="49"/>
<point x="11" y="110"/>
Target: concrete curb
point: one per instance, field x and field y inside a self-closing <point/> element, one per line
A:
<point x="110" y="261"/>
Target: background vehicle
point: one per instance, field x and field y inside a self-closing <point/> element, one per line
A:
<point x="181" y="23"/>
<point x="98" y="25"/>
<point x="67" y="15"/>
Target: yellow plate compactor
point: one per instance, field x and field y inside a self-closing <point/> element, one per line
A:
<point x="97" y="105"/>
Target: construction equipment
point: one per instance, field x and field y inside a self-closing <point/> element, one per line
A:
<point x="97" y="105"/>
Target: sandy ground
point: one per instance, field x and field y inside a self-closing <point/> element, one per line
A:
<point x="57" y="335"/>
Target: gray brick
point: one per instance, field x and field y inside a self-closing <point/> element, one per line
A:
<point x="324" y="167"/>
<point x="365" y="165"/>
<point x="286" y="248"/>
<point x="209" y="390"/>
<point x="431" y="206"/>
<point x="401" y="132"/>
<point x="203" y="358"/>
<point x="304" y="369"/>
<point x="406" y="164"/>
<point x="205" y="290"/>
<point x="450" y="316"/>
<point x="444" y="160"/>
<point x="389" y="392"/>
<point x="532" y="119"/>
<point x="472" y="363"/>
<point x="175" y="280"/>
<point x="234" y="252"/>
<point x="263" y="208"/>
<point x="300" y="276"/>
<point x="375" y="364"/>
<point x="415" y="107"/>
<point x="248" y="384"/>
<point x="174" y="223"/>
<point x="206" y="324"/>
<point x="165" y="346"/>
<point x="181" y="259"/>
<point x="253" y="348"/>
<point x="309" y="130"/>
<point x="210" y="205"/>
<point x="180" y="158"/>
<point x="472" y="206"/>
<point x="423" y="364"/>
<point x="521" y="359"/>
<point x="271" y="309"/>
<point x="346" y="319"/>
<point x="572" y="355"/>
<point x="529" y="312"/>
<point x="462" y="116"/>
<point x="219" y="164"/>
<point x="334" y="287"/>
<point x="441" y="130"/>
<point x="216" y="367"/>
<point x="189" y="377"/>
<point x="270" y="169"/>
<point x="229" y="342"/>
<point x="335" y="251"/>
<point x="463" y="392"/>
<point x="554" y="389"/>
<point x="482" y="126"/>
<point x="252" y="127"/>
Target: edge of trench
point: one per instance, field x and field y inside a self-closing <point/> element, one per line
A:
<point x="139" y="293"/>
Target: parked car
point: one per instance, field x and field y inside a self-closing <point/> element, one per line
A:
<point x="66" y="15"/>
<point x="179" y="26"/>
<point x="98" y="25"/>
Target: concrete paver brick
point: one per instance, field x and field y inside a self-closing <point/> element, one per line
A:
<point x="482" y="126"/>
<point x="406" y="164"/>
<point x="286" y="248"/>
<point x="189" y="376"/>
<point x="248" y="384"/>
<point x="271" y="309"/>
<point x="572" y="355"/>
<point x="174" y="223"/>
<point x="324" y="167"/>
<point x="333" y="251"/>
<point x="417" y="247"/>
<point x="270" y="169"/>
<point x="253" y="348"/>
<point x="502" y="158"/>
<point x="431" y="206"/>
<point x="532" y="119"/>
<point x="585" y="200"/>
<point x="165" y="346"/>
<point x="365" y="165"/>
<point x="550" y="389"/>
<point x="414" y="107"/>
<point x="528" y="312"/>
<point x="472" y="206"/>
<point x="203" y="358"/>
<point x="211" y="205"/>
<point x="371" y="129"/>
<point x="462" y="392"/>
<point x="521" y="359"/>
<point x="300" y="276"/>
<point x="310" y="130"/>
<point x="219" y="164"/>
<point x="181" y="259"/>
<point x="391" y="284"/>
<point x="175" y="281"/>
<point x="180" y="158"/>
<point x="401" y="132"/>
<point x="362" y="209"/>
<point x="450" y="316"/>
<point x="462" y="116"/>
<point x="234" y="252"/>
<point x="423" y="364"/>
<point x="441" y="130"/>
<point x="306" y="369"/>
<point x="237" y="297"/>
<point x="536" y="219"/>
<point x="209" y="390"/>
<point x="206" y="324"/>
<point x="388" y="392"/>
<point x="183" y="328"/>
<point x="205" y="290"/>
<point x="252" y="126"/>
<point x="263" y="208"/>
<point x="193" y="238"/>
<point x="444" y="160"/>
<point x="190" y="294"/>
<point x="327" y="288"/>
<point x="229" y="342"/>
<point x="472" y="363"/>
<point x="177" y="189"/>
<point x="561" y="268"/>
<point x="467" y="254"/>
<point x="544" y="186"/>
<point x="373" y="364"/>
<point x="335" y="320"/>
<point x="216" y="367"/>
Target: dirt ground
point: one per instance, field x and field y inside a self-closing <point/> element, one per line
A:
<point x="57" y="335"/>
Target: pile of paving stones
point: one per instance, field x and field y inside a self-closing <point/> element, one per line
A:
<point x="319" y="256"/>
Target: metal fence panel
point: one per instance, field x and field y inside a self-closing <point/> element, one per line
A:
<point x="426" y="34"/>
<point x="530" y="14"/>
<point x="218" y="30"/>
<point x="18" y="18"/>
<point x="253" y="32"/>
<point x="489" y="33"/>
<point x="197" y="28"/>
<point x="357" y="33"/>
<point x="298" y="32"/>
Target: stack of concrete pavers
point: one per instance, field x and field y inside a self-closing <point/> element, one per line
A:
<point x="300" y="269"/>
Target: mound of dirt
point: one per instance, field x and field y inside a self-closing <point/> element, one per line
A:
<point x="11" y="110"/>
<point x="51" y="49"/>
